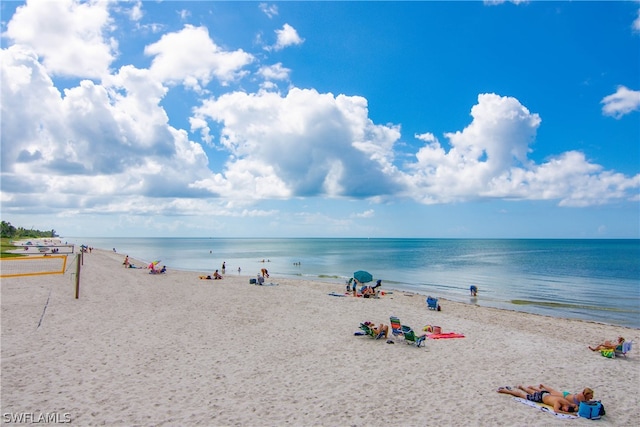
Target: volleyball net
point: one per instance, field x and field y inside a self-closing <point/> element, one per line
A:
<point x="34" y="265"/>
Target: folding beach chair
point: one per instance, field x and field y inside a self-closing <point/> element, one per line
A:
<point x="432" y="303"/>
<point x="370" y="332"/>
<point x="396" y="326"/>
<point x="411" y="338"/>
<point x="623" y="349"/>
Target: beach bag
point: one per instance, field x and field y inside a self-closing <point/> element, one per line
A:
<point x="252" y="281"/>
<point x="592" y="410"/>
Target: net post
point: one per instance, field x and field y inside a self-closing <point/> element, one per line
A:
<point x="78" y="277"/>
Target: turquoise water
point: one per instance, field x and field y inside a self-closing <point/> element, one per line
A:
<point x="584" y="279"/>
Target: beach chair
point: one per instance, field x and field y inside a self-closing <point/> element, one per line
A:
<point x="396" y="326"/>
<point x="370" y="332"/>
<point x="623" y="349"/>
<point x="432" y="303"/>
<point x="411" y="338"/>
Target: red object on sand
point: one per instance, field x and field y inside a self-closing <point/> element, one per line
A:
<point x="445" y="335"/>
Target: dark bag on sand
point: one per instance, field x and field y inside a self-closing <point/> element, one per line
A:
<point x="592" y="410"/>
<point x="252" y="281"/>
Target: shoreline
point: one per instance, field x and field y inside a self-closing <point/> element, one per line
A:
<point x="509" y="285"/>
<point x="320" y="279"/>
<point x="142" y="349"/>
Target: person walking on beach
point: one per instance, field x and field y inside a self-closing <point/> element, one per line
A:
<point x="474" y="290"/>
<point x="224" y="266"/>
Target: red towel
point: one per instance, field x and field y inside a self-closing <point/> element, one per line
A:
<point x="445" y="335"/>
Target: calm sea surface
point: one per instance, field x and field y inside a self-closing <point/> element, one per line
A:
<point x="585" y="279"/>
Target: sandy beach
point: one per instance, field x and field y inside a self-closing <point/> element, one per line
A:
<point x="172" y="350"/>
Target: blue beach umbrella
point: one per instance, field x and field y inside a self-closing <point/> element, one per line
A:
<point x="362" y="276"/>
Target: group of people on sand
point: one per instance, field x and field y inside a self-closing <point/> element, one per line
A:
<point x="154" y="270"/>
<point x="215" y="276"/>
<point x="152" y="267"/>
<point x="561" y="401"/>
<point x="366" y="291"/>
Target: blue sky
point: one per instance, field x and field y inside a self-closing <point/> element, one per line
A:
<point x="322" y="119"/>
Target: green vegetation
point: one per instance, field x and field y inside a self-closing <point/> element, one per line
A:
<point x="9" y="233"/>
<point x="12" y="232"/>
<point x="5" y="245"/>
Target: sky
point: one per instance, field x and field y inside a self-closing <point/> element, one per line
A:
<point x="492" y="119"/>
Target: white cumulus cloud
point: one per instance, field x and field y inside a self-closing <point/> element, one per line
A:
<point x="190" y="57"/>
<point x="489" y="159"/>
<point x="303" y="144"/>
<point x="624" y="101"/>
<point x="70" y="36"/>
<point x="287" y="36"/>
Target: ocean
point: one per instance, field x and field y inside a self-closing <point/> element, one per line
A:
<point x="596" y="280"/>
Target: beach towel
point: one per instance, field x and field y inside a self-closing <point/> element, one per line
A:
<point x="545" y="408"/>
<point x="335" y="294"/>
<point x="444" y="335"/>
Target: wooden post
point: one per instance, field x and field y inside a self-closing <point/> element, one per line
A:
<point x="78" y="276"/>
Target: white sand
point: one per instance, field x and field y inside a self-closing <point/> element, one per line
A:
<point x="140" y="349"/>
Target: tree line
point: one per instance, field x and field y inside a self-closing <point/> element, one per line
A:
<point x="12" y="232"/>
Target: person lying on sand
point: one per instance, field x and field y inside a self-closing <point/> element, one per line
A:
<point x="370" y="291"/>
<point x="607" y="345"/>
<point x="583" y="396"/>
<point x="559" y="403"/>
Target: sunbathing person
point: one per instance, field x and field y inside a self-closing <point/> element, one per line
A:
<point x="607" y="345"/>
<point x="370" y="291"/>
<point x="380" y="331"/>
<point x="583" y="396"/>
<point x="216" y="275"/>
<point x="559" y="403"/>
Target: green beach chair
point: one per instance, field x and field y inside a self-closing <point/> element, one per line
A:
<point x="411" y="338"/>
<point x="370" y="332"/>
